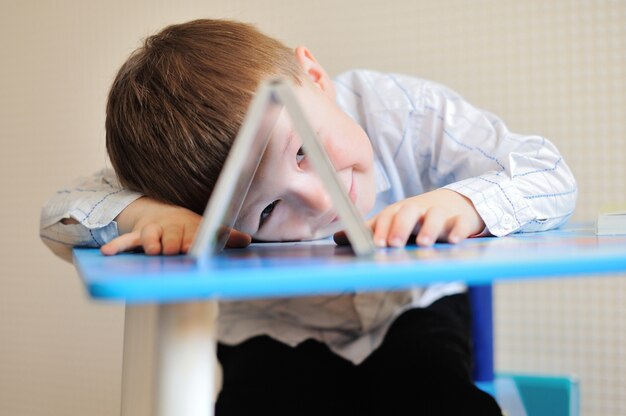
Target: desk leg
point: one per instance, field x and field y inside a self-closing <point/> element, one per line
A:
<point x="481" y="300"/>
<point x="170" y="366"/>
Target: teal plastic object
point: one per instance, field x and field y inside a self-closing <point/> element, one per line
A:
<point x="535" y="395"/>
<point x="548" y="396"/>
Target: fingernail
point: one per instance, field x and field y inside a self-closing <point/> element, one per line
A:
<point x="453" y="239"/>
<point x="425" y="240"/>
<point x="396" y="242"/>
<point x="380" y="242"/>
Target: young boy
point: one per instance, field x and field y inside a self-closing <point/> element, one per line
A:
<point x="416" y="159"/>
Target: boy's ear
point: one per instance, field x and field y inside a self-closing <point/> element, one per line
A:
<point x="314" y="71"/>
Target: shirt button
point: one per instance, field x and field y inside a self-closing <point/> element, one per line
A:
<point x="507" y="222"/>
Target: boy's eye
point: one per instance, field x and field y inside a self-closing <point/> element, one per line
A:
<point x="267" y="212"/>
<point x="300" y="155"/>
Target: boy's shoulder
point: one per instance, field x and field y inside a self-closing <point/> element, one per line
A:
<point x="388" y="90"/>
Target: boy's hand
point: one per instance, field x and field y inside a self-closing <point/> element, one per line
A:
<point x="439" y="215"/>
<point x="160" y="228"/>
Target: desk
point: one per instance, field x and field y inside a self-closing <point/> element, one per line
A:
<point x="171" y="302"/>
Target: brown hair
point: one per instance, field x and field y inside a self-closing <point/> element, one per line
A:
<point x="177" y="103"/>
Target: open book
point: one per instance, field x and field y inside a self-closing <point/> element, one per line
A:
<point x="612" y="220"/>
<point x="243" y="160"/>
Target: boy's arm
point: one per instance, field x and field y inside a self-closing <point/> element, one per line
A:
<point x="160" y="228"/>
<point x="84" y="214"/>
<point x="490" y="181"/>
<point x="516" y="183"/>
<point x="98" y="212"/>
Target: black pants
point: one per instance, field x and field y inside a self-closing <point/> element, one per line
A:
<point x="423" y="367"/>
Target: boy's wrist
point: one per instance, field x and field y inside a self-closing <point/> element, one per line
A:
<point x="469" y="210"/>
<point x="128" y="217"/>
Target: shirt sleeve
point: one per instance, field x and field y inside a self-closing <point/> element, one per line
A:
<point x="93" y="202"/>
<point x="517" y="183"/>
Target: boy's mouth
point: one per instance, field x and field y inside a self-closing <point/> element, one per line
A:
<point x="351" y="194"/>
<point x="352" y="189"/>
<point x="333" y="217"/>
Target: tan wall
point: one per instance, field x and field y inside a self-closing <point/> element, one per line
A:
<point x="551" y="67"/>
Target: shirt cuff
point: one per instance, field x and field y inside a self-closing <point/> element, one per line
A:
<point x="78" y="235"/>
<point x="498" y="202"/>
<point x="103" y="212"/>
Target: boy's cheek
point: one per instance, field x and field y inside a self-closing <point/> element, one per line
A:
<point x="367" y="199"/>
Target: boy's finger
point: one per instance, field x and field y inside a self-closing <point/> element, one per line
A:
<point x="403" y="224"/>
<point x="189" y="233"/>
<point x="381" y="227"/>
<point x="151" y="239"/>
<point x="341" y="238"/>
<point x="460" y="231"/>
<point x="125" y="242"/>
<point x="433" y="225"/>
<point x="172" y="239"/>
<point x="237" y="239"/>
<point x="371" y="223"/>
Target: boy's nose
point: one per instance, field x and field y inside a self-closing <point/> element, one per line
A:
<point x="315" y="199"/>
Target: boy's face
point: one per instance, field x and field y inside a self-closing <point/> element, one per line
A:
<point x="287" y="200"/>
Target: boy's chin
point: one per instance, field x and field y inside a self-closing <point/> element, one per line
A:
<point x="328" y="231"/>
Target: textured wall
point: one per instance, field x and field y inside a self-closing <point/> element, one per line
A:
<point x="555" y="68"/>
